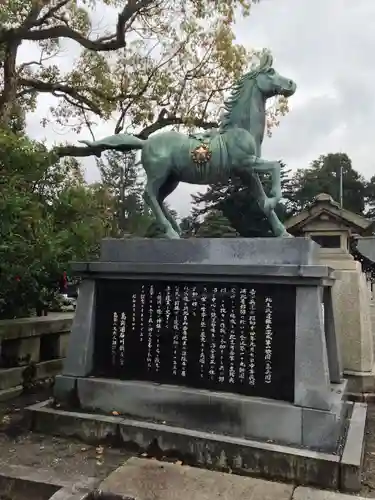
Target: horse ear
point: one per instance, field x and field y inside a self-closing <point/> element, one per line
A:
<point x="266" y="61"/>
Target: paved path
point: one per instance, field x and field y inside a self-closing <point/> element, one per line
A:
<point x="145" y="479"/>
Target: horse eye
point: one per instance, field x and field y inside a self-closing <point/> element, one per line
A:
<point x="271" y="71"/>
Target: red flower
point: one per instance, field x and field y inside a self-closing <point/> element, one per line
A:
<point x="65" y="281"/>
<point x="17" y="278"/>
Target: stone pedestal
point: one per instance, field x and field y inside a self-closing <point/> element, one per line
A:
<point x="227" y="336"/>
<point x="351" y="305"/>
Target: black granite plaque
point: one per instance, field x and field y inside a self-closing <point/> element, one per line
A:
<point x="220" y="336"/>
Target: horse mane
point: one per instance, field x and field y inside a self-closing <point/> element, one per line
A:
<point x="265" y="63"/>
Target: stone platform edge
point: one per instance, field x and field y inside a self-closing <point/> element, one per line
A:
<point x="21" y="481"/>
<point x="219" y="251"/>
<point x="213" y="451"/>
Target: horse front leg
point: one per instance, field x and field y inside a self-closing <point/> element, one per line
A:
<point x="266" y="205"/>
<point x="277" y="226"/>
<point x="150" y="196"/>
<point x="274" y="168"/>
<point x="170" y="217"/>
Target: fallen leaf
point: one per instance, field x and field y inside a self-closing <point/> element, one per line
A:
<point x="144" y="455"/>
<point x="83" y="449"/>
<point x="99" y="450"/>
<point x="115" y="413"/>
<point x="178" y="462"/>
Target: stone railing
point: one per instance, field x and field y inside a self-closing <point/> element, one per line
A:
<point x="32" y="349"/>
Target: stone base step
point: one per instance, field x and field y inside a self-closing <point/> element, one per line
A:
<point x="143" y="479"/>
<point x="340" y="470"/>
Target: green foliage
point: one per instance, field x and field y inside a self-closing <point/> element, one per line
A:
<point x="49" y="217"/>
<point x="189" y="225"/>
<point x="215" y="225"/>
<point x="122" y="177"/>
<point x="370" y="198"/>
<point x="323" y="176"/>
<point x="239" y="206"/>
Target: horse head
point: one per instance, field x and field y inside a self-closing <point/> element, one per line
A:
<point x="270" y="82"/>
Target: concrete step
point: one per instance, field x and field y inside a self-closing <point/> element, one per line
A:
<point x="145" y="479"/>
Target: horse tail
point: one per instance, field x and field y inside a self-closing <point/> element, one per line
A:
<point x="120" y="142"/>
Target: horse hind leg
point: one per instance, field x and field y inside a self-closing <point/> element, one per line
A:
<point x="165" y="190"/>
<point x="150" y="196"/>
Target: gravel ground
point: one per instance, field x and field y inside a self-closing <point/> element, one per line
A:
<point x="369" y="468"/>
<point x="19" y="446"/>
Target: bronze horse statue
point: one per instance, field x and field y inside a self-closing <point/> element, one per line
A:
<point x="232" y="150"/>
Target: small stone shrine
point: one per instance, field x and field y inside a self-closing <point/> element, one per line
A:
<point x="332" y="227"/>
<point x="221" y="349"/>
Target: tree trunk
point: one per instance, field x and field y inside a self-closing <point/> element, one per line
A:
<point x="122" y="217"/>
<point x="9" y="95"/>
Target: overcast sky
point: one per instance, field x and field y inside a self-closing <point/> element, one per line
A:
<point x="328" y="48"/>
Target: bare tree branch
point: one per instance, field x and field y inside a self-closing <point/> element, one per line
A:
<point x="50" y="13"/>
<point x="88" y="124"/>
<point x="34" y="12"/>
<point x="54" y="88"/>
<point x="114" y="42"/>
<point x="72" y="102"/>
<point x="163" y="120"/>
<point x="33" y="85"/>
<point x="121" y="120"/>
<point x="204" y="110"/>
<point x="42" y="59"/>
<point x="29" y="63"/>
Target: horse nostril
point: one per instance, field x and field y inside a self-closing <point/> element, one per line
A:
<point x="290" y="83"/>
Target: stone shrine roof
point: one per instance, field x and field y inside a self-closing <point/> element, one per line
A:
<point x="325" y="208"/>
